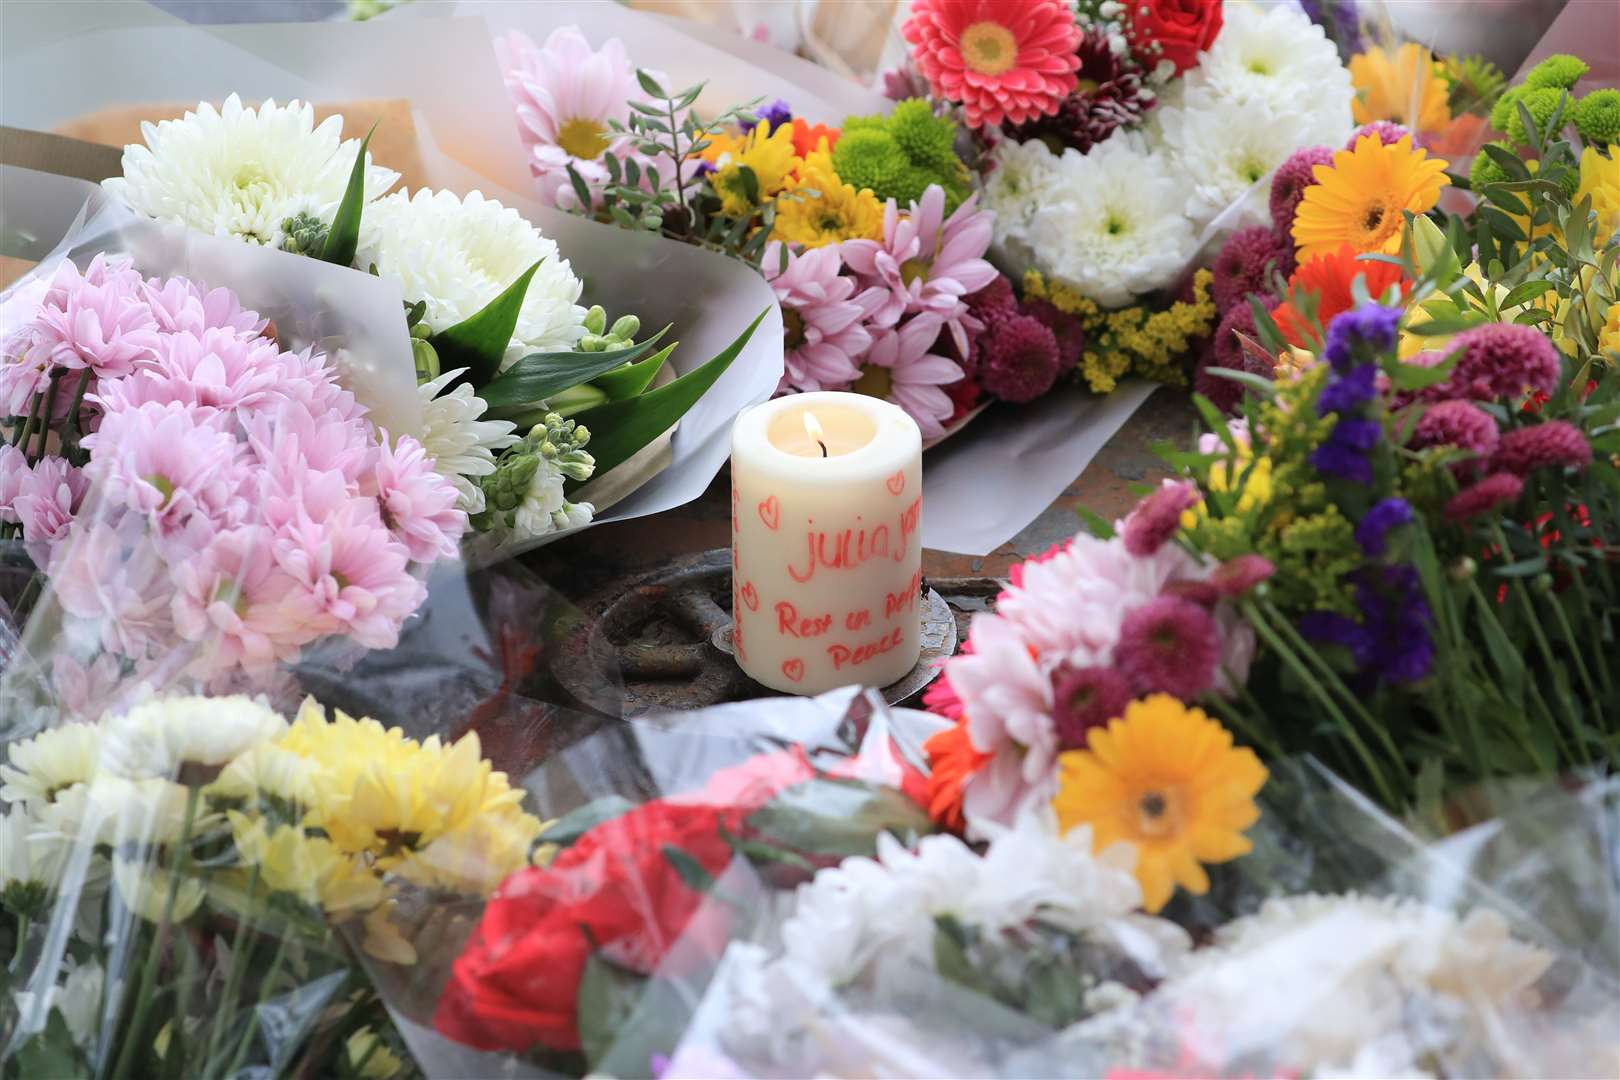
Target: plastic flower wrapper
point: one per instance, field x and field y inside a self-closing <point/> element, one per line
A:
<point x="664" y="837"/>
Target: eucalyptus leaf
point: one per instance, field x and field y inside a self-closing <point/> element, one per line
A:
<point x="343" y="238"/>
<point x="539" y="375"/>
<point x="621" y="428"/>
<point x="478" y="342"/>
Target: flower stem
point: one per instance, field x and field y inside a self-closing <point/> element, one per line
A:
<point x="45" y="423"/>
<point x="134" y="1034"/>
<point x="1542" y="645"/>
<point x="20" y="436"/>
<point x="252" y="1028"/>
<point x="233" y="983"/>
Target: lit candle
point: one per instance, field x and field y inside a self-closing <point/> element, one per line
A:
<point x="826" y="555"/>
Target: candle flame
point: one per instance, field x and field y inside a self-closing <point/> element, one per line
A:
<point x="813" y="426"/>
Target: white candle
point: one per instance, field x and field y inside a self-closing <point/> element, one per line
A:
<point x="826" y="556"/>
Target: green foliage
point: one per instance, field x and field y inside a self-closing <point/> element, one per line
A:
<point x="1597" y="117"/>
<point x="1487" y="170"/>
<point x="343" y="240"/>
<point x="478" y="342"/>
<point x="900" y="155"/>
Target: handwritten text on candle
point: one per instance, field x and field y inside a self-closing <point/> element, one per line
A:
<point x="845" y="549"/>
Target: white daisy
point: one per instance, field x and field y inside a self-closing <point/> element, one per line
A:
<point x="29" y="863"/>
<point x="1276" y="57"/>
<point x="461" y="445"/>
<point x="144" y="888"/>
<point x="159" y="738"/>
<point x="459" y="254"/>
<point x="237" y="171"/>
<point x="1113" y="223"/>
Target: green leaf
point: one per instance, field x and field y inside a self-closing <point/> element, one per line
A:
<point x="688" y="868"/>
<point x="649" y="84"/>
<point x="1439" y="327"/>
<point x="1258" y="383"/>
<point x="540" y="375"/>
<point x="1524" y="568"/>
<point x="1417" y="377"/>
<point x="343" y="238"/>
<point x="479" y="341"/>
<point x="607" y="999"/>
<point x="1508" y="162"/>
<point x="626" y="382"/>
<point x="838" y="817"/>
<point x="621" y="428"/>
<point x="950" y="954"/>
<point x="52" y="1053"/>
<point x="1214" y="421"/>
<point x="1096" y="524"/>
<point x="582" y="191"/>
<point x="576" y="823"/>
<point x="1526" y="292"/>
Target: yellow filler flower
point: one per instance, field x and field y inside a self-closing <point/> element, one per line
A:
<point x="1358" y="199"/>
<point x="1166" y="779"/>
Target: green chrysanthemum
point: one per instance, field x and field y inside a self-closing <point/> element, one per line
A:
<point x="1541" y="104"/>
<point x="928" y="140"/>
<point x="1474" y="82"/>
<point x="1485" y="170"/>
<point x="900" y="155"/>
<point x="1558" y="72"/>
<point x="1506" y="107"/>
<point x="1597" y="117"/>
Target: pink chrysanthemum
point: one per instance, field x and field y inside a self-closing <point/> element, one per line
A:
<point x="927" y="262"/>
<point x="1169" y="645"/>
<point x="349" y="577"/>
<point x="1497" y="489"/>
<point x="902" y="367"/>
<point x="310" y="379"/>
<point x="13" y="470"/>
<point x="290" y="435"/>
<point x="98" y="322"/>
<point x="1018" y="360"/>
<point x="1247" y="264"/>
<point x="1157" y="517"/>
<point x="1556" y="444"/>
<point x="1086" y="698"/>
<point x="218" y="369"/>
<point x="1226" y="350"/>
<point x="48" y="497"/>
<point x="565" y="94"/>
<point x="417" y="504"/>
<point x="1289" y="182"/>
<point x="1004" y="60"/>
<point x="1461" y="424"/>
<point x="121" y="600"/>
<point x="1500" y="361"/>
<point x="170" y="462"/>
<point x="181" y="307"/>
<point x="1388" y="132"/>
<point x="823" y="317"/>
<point x="227" y="600"/>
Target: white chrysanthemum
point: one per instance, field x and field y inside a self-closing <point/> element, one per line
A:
<point x="159" y="738"/>
<point x="459" y="254"/>
<point x="27" y="858"/>
<point x="78" y="999"/>
<point x="1274" y="56"/>
<point x="1312" y="980"/>
<point x="1114" y="224"/>
<point x="112" y="810"/>
<point x="267" y="769"/>
<point x="49" y="762"/>
<point x="242" y="172"/>
<point x="1226" y="151"/>
<point x="1021" y="181"/>
<point x="544" y="510"/>
<point x="461" y="445"/>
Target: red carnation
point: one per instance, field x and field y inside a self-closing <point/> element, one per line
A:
<point x="1173" y="30"/>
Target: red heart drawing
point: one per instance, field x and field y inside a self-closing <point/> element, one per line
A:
<point x="770" y="512"/>
<point x="750" y="596"/>
<point x="897" y="482"/>
<point x="793" y="669"/>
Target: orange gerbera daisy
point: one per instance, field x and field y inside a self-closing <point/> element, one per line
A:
<point x="1329" y="278"/>
<point x="1359" y="198"/>
<point x="952" y="762"/>
<point x="1166" y="779"/>
<point x="1401" y="85"/>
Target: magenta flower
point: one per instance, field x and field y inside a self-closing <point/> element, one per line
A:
<point x="1086" y="698"/>
<point x="228" y="600"/>
<point x="901" y="367"/>
<point x="417" y="504"/>
<point x="1557" y="444"/>
<point x="1484" y="496"/>
<point x="1247" y="263"/>
<point x="1018" y="359"/>
<point x="1158" y="517"/>
<point x="1500" y="361"/>
<point x="1460" y="424"/>
<point x="1169" y="645"/>
<point x="349" y="576"/>
<point x="926" y="263"/>
<point x="823" y="317"/>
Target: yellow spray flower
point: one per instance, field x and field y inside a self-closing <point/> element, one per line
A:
<point x="1609" y="334"/>
<point x="1166" y="779"/>
<point x="1600" y="182"/>
<point x="1402" y="85"/>
<point x="769" y="155"/>
<point x="834" y="213"/>
<point x="1358" y="199"/>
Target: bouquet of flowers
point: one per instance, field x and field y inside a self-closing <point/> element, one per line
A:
<point x="516" y="377"/>
<point x="179" y="872"/>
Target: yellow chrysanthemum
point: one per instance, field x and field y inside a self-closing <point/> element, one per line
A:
<point x="1166" y="779"/>
<point x="1600" y="182"/>
<point x="1609" y="335"/>
<point x="835" y="212"/>
<point x="769" y="155"/>
<point x="309" y="867"/>
<point x="1403" y="85"/>
<point x="1358" y="199"/>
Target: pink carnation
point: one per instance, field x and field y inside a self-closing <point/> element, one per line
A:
<point x="1497" y="489"/>
<point x="1169" y="645"/>
<point x="417" y="504"/>
<point x="1158" y="516"/>
<point x="1556" y="444"/>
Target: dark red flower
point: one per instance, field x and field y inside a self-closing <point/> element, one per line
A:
<point x="1173" y="30"/>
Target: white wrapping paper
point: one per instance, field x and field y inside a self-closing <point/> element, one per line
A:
<point x="59" y="67"/>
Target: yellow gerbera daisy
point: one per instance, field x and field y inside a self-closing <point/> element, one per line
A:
<point x="1167" y="780"/>
<point x="834" y="213"/>
<point x="1359" y="198"/>
<point x="1600" y="182"/>
<point x="1403" y="85"/>
<point x="769" y="155"/>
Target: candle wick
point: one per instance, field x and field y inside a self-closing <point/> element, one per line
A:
<point x="823" y="447"/>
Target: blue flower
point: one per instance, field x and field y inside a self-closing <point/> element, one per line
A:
<point x="1373" y="531"/>
<point x="772" y="116"/>
<point x="1368" y="330"/>
<point x="1345" y="453"/>
<point x="1391" y="642"/>
<point x="1349" y="392"/>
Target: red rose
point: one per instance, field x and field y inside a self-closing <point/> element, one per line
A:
<point x="1180" y="28"/>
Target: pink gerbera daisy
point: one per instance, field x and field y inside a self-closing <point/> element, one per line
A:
<point x="1004" y="60"/>
<point x="823" y="317"/>
<point x="902" y="367"/>
<point x="565" y="94"/>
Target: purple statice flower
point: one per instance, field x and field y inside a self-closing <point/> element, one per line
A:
<point x="1349" y="392"/>
<point x="772" y="116"/>
<point x="1373" y="531"/>
<point x="1340" y="20"/>
<point x="1345" y="453"/>
<point x="1370" y="328"/>
<point x="1387" y="132"/>
<point x="1391" y="642"/>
